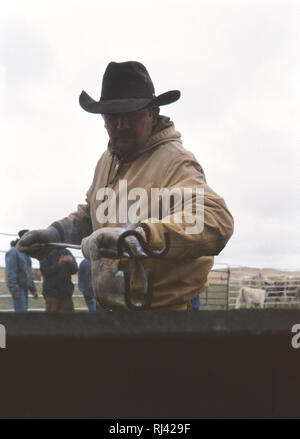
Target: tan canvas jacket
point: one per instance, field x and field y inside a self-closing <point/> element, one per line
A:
<point x="163" y="163"/>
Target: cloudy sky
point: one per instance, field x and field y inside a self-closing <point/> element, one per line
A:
<point x="237" y="66"/>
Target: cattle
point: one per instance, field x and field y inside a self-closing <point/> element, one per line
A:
<point x="250" y="296"/>
<point x="293" y="288"/>
<point x="252" y="281"/>
<point x="296" y="297"/>
<point x="276" y="286"/>
<point x="280" y="288"/>
<point x="275" y="289"/>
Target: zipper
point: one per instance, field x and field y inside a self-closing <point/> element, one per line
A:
<point x="115" y="169"/>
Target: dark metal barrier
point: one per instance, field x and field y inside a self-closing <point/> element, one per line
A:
<point x="210" y="364"/>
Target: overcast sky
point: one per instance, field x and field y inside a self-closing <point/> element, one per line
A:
<point x="237" y="66"/>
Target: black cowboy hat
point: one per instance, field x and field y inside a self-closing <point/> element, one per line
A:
<point x="126" y="87"/>
<point x="22" y="232"/>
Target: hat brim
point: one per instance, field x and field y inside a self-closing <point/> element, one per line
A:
<point x="22" y="232"/>
<point x="111" y="106"/>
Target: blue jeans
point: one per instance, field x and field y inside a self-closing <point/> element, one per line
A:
<point x="21" y="304"/>
<point x="92" y="306"/>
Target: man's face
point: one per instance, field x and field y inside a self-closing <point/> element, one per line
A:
<point x="130" y="132"/>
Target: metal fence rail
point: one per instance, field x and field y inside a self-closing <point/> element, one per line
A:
<point x="39" y="304"/>
<point x="282" y="290"/>
<point x="224" y="283"/>
<point x="215" y="295"/>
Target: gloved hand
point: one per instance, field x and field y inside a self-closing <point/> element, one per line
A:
<point x="107" y="238"/>
<point x="33" y="242"/>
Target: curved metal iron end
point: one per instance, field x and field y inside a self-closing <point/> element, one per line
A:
<point x="145" y="246"/>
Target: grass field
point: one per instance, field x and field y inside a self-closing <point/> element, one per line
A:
<point x="6" y="302"/>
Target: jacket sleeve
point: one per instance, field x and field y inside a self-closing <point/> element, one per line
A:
<point x="76" y="226"/>
<point x="72" y="267"/>
<point x="11" y="271"/>
<point x="199" y="222"/>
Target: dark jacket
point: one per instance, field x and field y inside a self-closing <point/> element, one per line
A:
<point x="57" y="276"/>
<point x="18" y="271"/>
<point x="85" y="279"/>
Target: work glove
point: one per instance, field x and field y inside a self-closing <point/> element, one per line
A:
<point x="33" y="242"/>
<point x="103" y="243"/>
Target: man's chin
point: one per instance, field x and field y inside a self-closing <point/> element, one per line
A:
<point x="125" y="145"/>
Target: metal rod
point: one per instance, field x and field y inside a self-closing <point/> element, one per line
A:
<point x="63" y="245"/>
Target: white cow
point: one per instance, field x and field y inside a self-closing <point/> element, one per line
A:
<point x="250" y="296"/>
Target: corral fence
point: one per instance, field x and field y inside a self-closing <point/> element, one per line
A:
<point x="282" y="288"/>
<point x="214" y="297"/>
<point x="220" y="293"/>
<point x="224" y="283"/>
<point x="216" y="293"/>
<point x="39" y="304"/>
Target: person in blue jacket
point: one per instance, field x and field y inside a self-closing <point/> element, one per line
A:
<point x="19" y="276"/>
<point x="85" y="285"/>
<point x="57" y="269"/>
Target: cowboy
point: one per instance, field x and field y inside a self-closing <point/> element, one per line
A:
<point x="144" y="156"/>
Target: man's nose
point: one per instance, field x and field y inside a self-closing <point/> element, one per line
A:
<point x="123" y="122"/>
